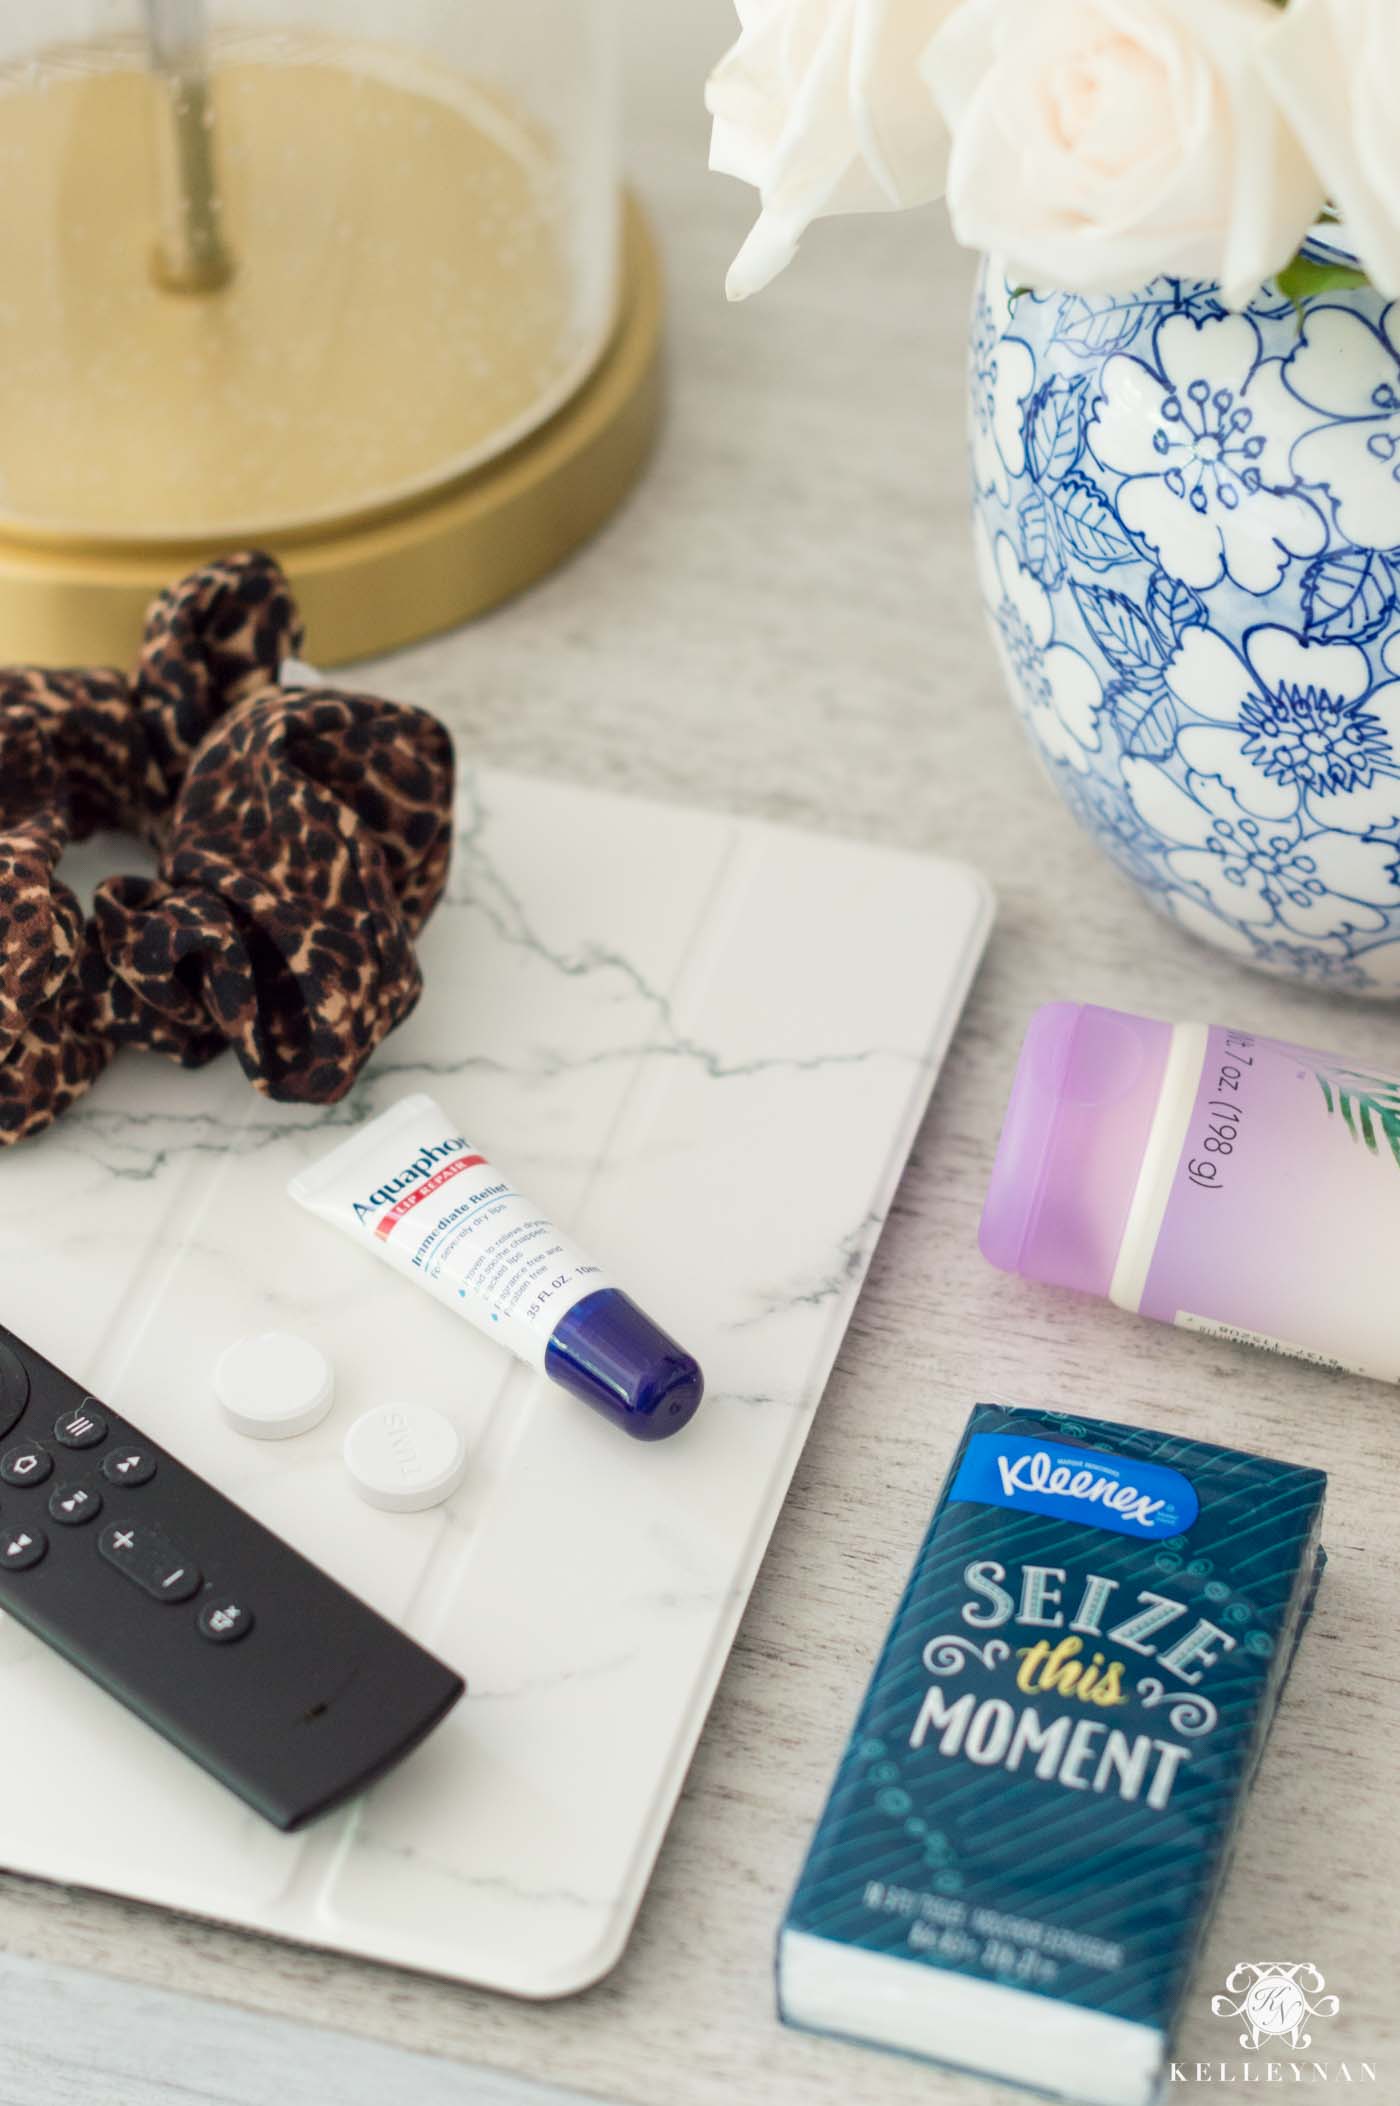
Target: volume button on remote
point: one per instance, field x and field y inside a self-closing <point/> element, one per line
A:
<point x="151" y="1559"/>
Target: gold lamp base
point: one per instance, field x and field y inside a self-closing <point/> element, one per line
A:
<point x="371" y="582"/>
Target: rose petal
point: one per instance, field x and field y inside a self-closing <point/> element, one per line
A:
<point x="1333" y="68"/>
<point x="1097" y="143"/>
<point x="820" y="105"/>
<point x="1276" y="194"/>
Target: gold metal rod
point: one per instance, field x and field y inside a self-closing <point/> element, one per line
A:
<point x="192" y="255"/>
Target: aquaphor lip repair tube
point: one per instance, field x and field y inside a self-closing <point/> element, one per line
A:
<point x="414" y="1190"/>
<point x="1233" y="1184"/>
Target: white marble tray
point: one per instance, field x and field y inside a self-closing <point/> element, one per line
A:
<point x="706" y="1045"/>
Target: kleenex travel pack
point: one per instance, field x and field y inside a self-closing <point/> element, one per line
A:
<point x="1029" y="1825"/>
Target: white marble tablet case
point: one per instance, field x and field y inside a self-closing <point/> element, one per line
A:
<point x="706" y="1045"/>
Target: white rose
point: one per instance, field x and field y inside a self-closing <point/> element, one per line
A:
<point x="1100" y="143"/>
<point x="821" y="106"/>
<point x="1335" y="67"/>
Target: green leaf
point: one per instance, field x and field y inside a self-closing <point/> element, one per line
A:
<point x="1305" y="278"/>
<point x="1369" y="1106"/>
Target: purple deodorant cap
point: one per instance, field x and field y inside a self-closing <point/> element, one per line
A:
<point x="1072" y="1144"/>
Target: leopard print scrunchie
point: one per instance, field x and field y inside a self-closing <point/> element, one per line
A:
<point x="303" y="837"/>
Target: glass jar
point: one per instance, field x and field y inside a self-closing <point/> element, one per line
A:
<point x="270" y="268"/>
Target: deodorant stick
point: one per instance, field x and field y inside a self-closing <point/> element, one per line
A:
<point x="1208" y="1177"/>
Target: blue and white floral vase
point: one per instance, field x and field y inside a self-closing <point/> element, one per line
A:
<point x="1188" y="538"/>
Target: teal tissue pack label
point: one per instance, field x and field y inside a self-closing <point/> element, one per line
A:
<point x="1046" y="1771"/>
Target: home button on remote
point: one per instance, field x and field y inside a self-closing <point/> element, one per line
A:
<point x="26" y="1464"/>
<point x="21" y="1547"/>
<point x="221" y="1621"/>
<point x="128" y="1466"/>
<point x="83" y="1427"/>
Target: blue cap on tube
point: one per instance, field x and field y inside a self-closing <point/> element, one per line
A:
<point x="608" y="1352"/>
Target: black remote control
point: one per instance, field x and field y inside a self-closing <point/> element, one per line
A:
<point x="263" y="1669"/>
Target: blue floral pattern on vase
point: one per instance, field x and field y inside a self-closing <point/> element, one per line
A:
<point x="1188" y="539"/>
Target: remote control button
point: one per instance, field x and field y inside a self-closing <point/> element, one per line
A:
<point x="26" y="1464"/>
<point x="20" y="1548"/>
<point x="128" y="1466"/>
<point x="403" y="1457"/>
<point x="222" y="1621"/>
<point x="151" y="1559"/>
<point x="274" y="1385"/>
<point x="14" y="1388"/>
<point x="83" y="1427"/>
<point x="177" y="1581"/>
<point x="72" y="1504"/>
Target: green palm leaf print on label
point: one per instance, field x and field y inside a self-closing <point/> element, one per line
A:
<point x="1369" y="1107"/>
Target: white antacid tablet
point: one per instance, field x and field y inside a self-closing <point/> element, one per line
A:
<point x="403" y="1457"/>
<point x="274" y="1385"/>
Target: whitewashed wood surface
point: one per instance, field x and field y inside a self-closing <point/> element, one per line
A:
<point x="80" y="2039"/>
<point x="782" y="622"/>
